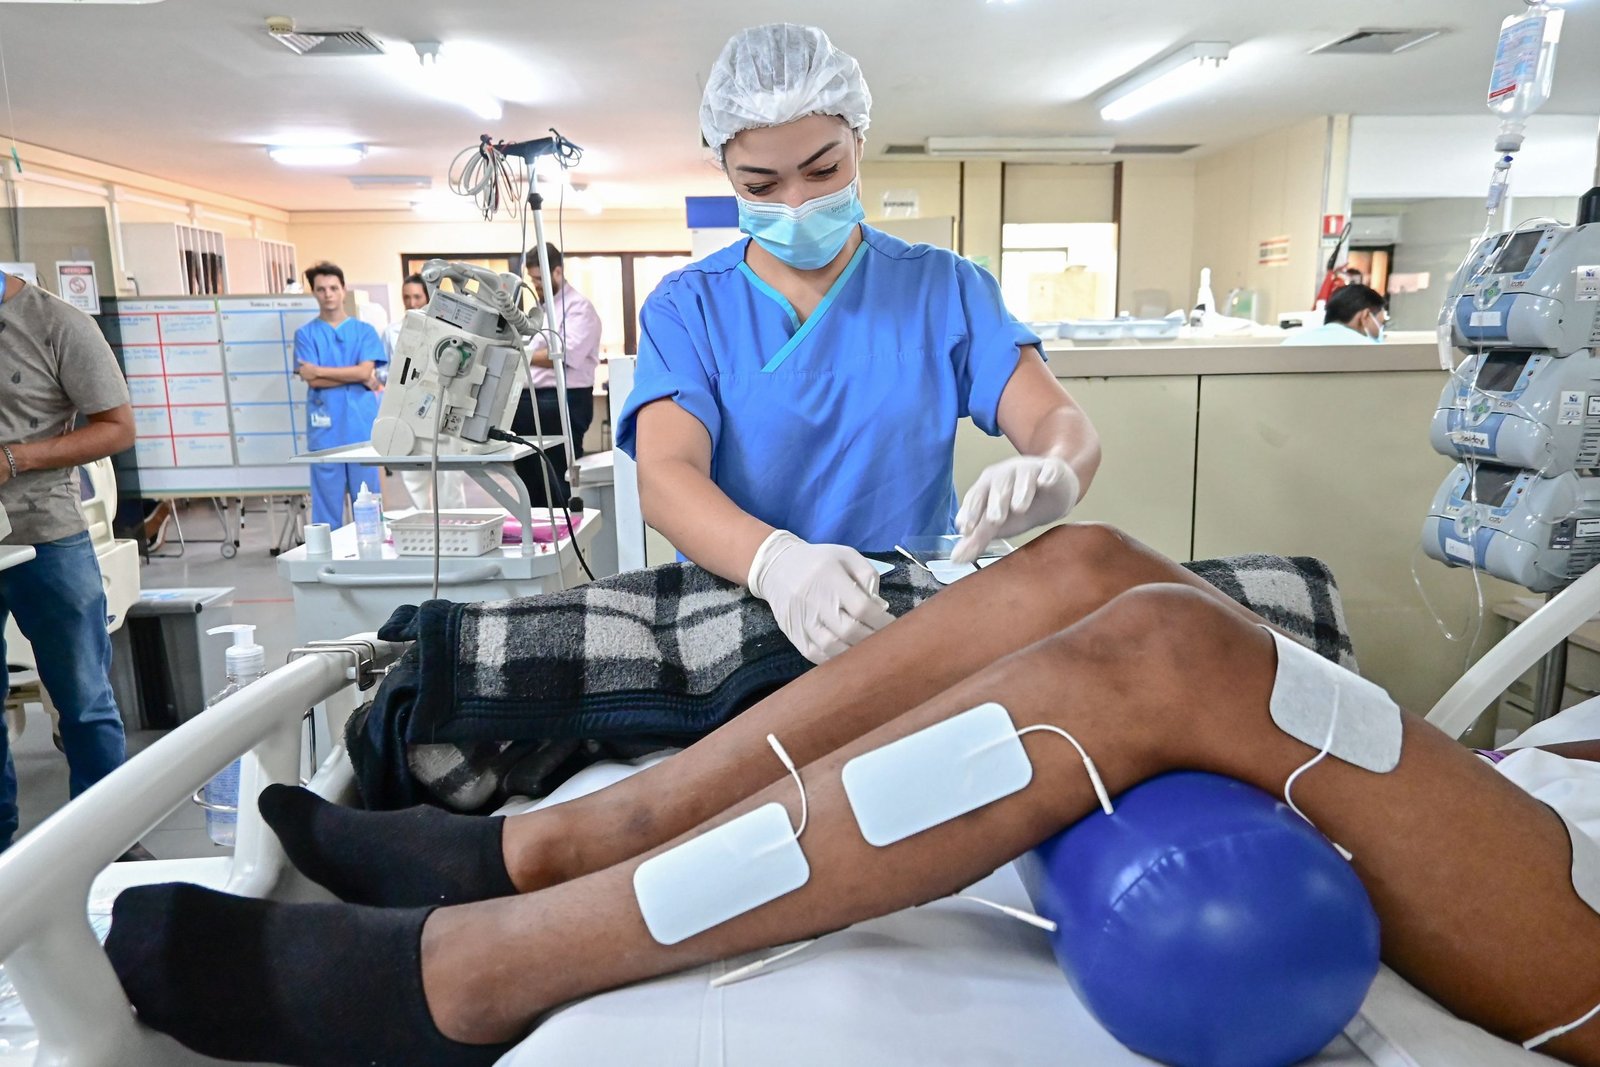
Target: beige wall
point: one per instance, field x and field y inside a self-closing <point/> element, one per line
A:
<point x="369" y="244"/>
<point x="1059" y="192"/>
<point x="981" y="197"/>
<point x="937" y="185"/>
<point x="1156" y="253"/>
<point x="1271" y="186"/>
<point x="57" y="179"/>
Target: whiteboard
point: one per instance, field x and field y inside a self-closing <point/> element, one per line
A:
<point x="217" y="406"/>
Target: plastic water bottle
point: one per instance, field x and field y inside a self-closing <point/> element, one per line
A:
<point x="246" y="661"/>
<point x="369" y="524"/>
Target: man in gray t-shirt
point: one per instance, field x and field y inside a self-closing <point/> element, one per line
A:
<point x="54" y="367"/>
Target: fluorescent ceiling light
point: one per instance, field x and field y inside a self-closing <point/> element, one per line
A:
<point x="318" y="155"/>
<point x="391" y="181"/>
<point x="1018" y="147"/>
<point x="1163" y="81"/>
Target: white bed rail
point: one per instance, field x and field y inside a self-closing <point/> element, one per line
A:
<point x="50" y="951"/>
<point x="1519" y="652"/>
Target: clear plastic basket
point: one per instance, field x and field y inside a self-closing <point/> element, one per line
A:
<point x="466" y="532"/>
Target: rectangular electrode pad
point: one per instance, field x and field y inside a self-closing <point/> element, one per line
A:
<point x="936" y="774"/>
<point x="724" y="872"/>
<point x="1306" y="693"/>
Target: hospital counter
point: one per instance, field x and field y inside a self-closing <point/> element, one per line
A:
<point x="1229" y="449"/>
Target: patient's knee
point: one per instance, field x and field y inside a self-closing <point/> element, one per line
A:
<point x="1080" y="560"/>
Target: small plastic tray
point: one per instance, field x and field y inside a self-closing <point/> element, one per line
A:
<point x="469" y="532"/>
<point x="1094" y="330"/>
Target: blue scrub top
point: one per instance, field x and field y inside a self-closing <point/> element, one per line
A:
<point x="840" y="429"/>
<point x="342" y="415"/>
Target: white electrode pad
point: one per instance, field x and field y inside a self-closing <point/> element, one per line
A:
<point x="724" y="872"/>
<point x="936" y="774"/>
<point x="1307" y="690"/>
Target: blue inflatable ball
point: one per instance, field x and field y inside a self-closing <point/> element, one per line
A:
<point x="1205" y="924"/>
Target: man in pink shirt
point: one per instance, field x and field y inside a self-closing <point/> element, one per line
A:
<point x="578" y="323"/>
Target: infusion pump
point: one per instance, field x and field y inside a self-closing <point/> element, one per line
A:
<point x="1522" y="410"/>
<point x="457" y="369"/>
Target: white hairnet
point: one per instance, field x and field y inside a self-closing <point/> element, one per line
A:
<point x="773" y="74"/>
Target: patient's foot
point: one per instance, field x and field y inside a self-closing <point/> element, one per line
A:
<point x="399" y="859"/>
<point x="307" y="985"/>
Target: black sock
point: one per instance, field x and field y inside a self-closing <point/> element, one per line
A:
<point x="395" y="859"/>
<point x="306" y="985"/>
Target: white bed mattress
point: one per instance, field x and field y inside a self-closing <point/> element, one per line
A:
<point x="951" y="983"/>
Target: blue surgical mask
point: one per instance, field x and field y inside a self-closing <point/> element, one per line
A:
<point x="808" y="236"/>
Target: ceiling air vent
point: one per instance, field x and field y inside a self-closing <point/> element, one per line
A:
<point x="1376" y="42"/>
<point x="905" y="150"/>
<point x="348" y="42"/>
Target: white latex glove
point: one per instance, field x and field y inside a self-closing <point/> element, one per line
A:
<point x="825" y="597"/>
<point x="1012" y="496"/>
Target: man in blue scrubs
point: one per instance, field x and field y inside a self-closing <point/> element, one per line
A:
<point x="337" y="357"/>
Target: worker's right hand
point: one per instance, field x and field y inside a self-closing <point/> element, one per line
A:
<point x="825" y="597"/>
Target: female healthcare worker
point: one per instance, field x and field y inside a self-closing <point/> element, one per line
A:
<point x="798" y="392"/>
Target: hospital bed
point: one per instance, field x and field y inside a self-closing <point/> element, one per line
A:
<point x="946" y="983"/>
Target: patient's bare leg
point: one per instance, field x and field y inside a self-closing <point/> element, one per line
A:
<point x="1162" y="678"/>
<point x="1045" y="587"/>
<point x="426" y="856"/>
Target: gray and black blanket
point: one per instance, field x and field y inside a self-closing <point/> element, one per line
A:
<point x="514" y="696"/>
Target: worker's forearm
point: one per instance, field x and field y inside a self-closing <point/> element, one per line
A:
<point x="1067" y="433"/>
<point x="698" y="518"/>
<point x="341" y="375"/>
<point x="95" y="441"/>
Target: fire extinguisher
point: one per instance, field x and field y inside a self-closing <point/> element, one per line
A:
<point x="1331" y="281"/>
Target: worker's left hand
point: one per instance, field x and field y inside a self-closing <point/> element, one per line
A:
<point x="1011" y="496"/>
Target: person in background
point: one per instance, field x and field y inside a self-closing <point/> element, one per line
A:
<point x="55" y="366"/>
<point x="337" y="357"/>
<point x="452" y="484"/>
<point x="1355" y="316"/>
<point x="578" y="324"/>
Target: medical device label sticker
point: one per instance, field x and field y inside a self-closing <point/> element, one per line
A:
<point x="1517" y="59"/>
<point x="1571" y="409"/>
<point x="1458" y="550"/>
<point x="1589" y="527"/>
<point x="1588" y="283"/>
<point x="1485" y="318"/>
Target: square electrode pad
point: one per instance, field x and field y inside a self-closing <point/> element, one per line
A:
<point x="735" y="868"/>
<point x="936" y="774"/>
<point x="1309" y="688"/>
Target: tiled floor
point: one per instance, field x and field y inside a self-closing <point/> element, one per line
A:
<point x="260" y="597"/>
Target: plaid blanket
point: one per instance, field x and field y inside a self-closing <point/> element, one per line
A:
<point x="512" y="697"/>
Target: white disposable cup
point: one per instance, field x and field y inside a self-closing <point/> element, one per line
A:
<point x="319" y="540"/>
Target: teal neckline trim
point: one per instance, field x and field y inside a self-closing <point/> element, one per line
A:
<point x="761" y="286"/>
<point x="816" y="316"/>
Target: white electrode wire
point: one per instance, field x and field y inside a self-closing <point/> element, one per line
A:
<point x="740" y="973"/>
<point x="1322" y="754"/>
<point x="11" y="121"/>
<point x="1551" y="1035"/>
<point x="1028" y="917"/>
<point x="805" y="812"/>
<point x="1088" y="764"/>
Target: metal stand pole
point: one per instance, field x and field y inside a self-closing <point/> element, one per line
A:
<point x="1552" y="680"/>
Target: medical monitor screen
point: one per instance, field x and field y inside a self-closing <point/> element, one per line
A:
<point x="1514" y="259"/>
<point x="1492" y="483"/>
<point x="1501" y="370"/>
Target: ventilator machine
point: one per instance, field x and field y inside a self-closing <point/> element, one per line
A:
<point x="458" y="366"/>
